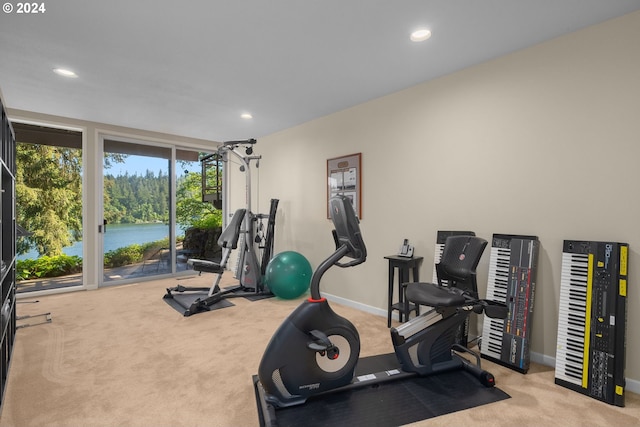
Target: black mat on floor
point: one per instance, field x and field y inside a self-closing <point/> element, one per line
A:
<point x="258" y="297"/>
<point x="179" y="301"/>
<point x="389" y="404"/>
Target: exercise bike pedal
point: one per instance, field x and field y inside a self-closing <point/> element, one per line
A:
<point x="322" y="345"/>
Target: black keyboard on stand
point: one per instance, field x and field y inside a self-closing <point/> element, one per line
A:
<point x="590" y="355"/>
<point x="512" y="280"/>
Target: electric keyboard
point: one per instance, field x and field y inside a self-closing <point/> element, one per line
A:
<point x="512" y="280"/>
<point x="590" y="352"/>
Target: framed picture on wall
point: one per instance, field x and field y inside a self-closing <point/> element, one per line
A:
<point x="344" y="177"/>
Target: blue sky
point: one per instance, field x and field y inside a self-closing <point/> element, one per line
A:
<point x="140" y="164"/>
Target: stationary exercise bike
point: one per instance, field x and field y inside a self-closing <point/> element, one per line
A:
<point x="315" y="350"/>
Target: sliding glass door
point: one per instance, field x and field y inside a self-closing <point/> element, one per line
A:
<point x="48" y="207"/>
<point x="137" y="216"/>
<point x="144" y="185"/>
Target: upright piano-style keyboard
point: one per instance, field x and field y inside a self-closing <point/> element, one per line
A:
<point x="590" y="353"/>
<point x="512" y="280"/>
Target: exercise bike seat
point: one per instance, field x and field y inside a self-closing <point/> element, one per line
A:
<point x="456" y="269"/>
<point x="434" y="295"/>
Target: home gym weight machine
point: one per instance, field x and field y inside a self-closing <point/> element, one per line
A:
<point x="245" y="230"/>
<point x="315" y="351"/>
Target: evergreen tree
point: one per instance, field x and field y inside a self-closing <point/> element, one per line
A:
<point x="49" y="197"/>
<point x="190" y="209"/>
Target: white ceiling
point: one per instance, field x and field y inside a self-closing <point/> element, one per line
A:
<point x="191" y="67"/>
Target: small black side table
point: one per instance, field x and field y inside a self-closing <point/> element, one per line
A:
<point x="404" y="266"/>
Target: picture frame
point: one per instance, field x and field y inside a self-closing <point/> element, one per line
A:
<point x="344" y="176"/>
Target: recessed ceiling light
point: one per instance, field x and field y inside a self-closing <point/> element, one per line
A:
<point x="246" y="116"/>
<point x="64" y="72"/>
<point x="420" y="35"/>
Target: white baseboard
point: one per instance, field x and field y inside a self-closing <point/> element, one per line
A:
<point x="631" y="385"/>
<point x="542" y="359"/>
<point x="362" y="307"/>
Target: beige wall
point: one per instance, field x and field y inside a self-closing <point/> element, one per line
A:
<point x="544" y="142"/>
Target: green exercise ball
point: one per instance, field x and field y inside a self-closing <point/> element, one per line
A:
<point x="288" y="275"/>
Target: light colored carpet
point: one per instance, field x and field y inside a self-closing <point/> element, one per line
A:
<point x="120" y="356"/>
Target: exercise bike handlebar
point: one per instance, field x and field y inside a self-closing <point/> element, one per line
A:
<point x="347" y="228"/>
<point x="353" y="251"/>
<point x="348" y="240"/>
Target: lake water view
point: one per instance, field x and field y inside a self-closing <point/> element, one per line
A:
<point x="118" y="236"/>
